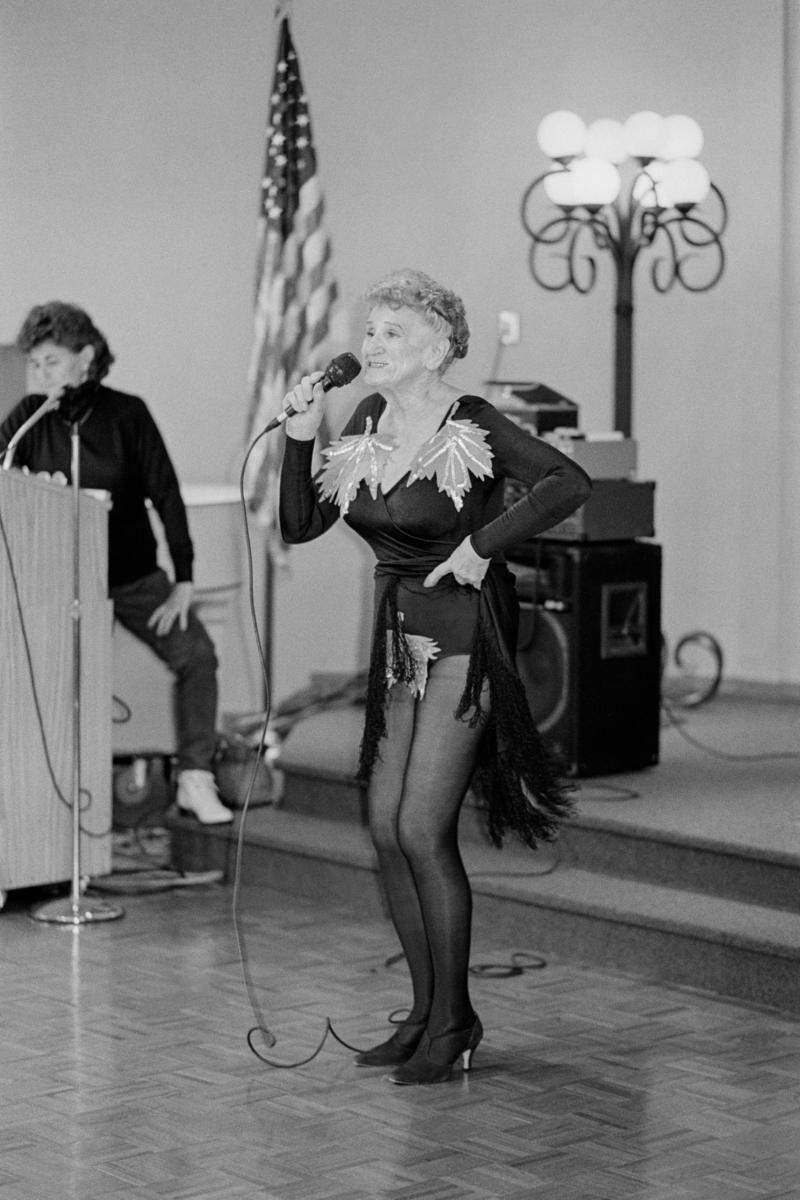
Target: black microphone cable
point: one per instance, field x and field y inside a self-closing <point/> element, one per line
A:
<point x="261" y="1027"/>
<point x="520" y="961"/>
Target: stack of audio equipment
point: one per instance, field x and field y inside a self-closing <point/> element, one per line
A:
<point x="589" y="647"/>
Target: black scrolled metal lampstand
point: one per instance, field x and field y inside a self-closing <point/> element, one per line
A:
<point x="624" y="228"/>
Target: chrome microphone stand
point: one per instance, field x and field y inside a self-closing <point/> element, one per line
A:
<point x="76" y="909"/>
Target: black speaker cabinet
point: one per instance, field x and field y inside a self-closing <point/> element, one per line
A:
<point x="589" y="651"/>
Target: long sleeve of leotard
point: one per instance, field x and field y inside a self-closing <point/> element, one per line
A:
<point x="557" y="486"/>
<point x="303" y="515"/>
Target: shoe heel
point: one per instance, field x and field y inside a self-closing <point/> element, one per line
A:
<point x="449" y="1047"/>
<point x="474" y="1041"/>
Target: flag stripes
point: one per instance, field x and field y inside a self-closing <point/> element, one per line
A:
<point x="294" y="288"/>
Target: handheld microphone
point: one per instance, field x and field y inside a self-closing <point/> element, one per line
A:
<point x="339" y="371"/>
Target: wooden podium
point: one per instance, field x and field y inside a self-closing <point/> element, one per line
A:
<point x="37" y="693"/>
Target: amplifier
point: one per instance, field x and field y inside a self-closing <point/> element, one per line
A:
<point x="617" y="510"/>
<point x="601" y="457"/>
<point x="533" y="406"/>
<point x="589" y="653"/>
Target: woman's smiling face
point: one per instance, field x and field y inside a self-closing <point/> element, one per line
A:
<point x="399" y="347"/>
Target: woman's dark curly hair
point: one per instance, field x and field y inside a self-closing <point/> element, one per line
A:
<point x="441" y="308"/>
<point x="66" y="325"/>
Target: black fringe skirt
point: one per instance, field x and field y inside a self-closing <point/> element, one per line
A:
<point x="516" y="782"/>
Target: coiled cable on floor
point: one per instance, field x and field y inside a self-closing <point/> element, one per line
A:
<point x="520" y="962"/>
<point x="261" y="1028"/>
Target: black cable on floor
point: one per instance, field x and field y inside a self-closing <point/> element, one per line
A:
<point x="615" y="791"/>
<point x="516" y="966"/>
<point x="730" y="756"/>
<point x="261" y="1028"/>
<point x="521" y="961"/>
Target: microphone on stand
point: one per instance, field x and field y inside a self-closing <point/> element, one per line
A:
<point x="50" y="405"/>
<point x="77" y="401"/>
<point x="339" y="371"/>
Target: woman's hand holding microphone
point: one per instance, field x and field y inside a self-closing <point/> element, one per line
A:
<point x="305" y="399"/>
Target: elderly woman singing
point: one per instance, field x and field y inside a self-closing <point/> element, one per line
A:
<point x="419" y="472"/>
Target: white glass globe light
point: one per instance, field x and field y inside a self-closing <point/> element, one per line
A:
<point x="597" y="182"/>
<point x="560" y="188"/>
<point x="606" y="139"/>
<point x="686" y="181"/>
<point x="561" y="135"/>
<point x="683" y="137"/>
<point x="644" y="135"/>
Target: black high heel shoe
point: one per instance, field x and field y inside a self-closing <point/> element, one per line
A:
<point x="396" y="1050"/>
<point x="434" y="1058"/>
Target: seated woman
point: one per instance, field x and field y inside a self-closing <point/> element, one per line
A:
<point x="123" y="453"/>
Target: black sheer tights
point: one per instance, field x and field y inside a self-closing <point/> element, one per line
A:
<point x="415" y="794"/>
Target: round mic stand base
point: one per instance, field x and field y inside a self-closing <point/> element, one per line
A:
<point x="67" y="911"/>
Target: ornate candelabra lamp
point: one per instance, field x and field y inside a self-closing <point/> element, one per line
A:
<point x="624" y="188"/>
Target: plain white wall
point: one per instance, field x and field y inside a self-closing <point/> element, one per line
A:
<point x="131" y="135"/>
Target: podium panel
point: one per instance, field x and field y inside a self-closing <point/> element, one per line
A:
<point x="36" y="684"/>
<point x="589" y="652"/>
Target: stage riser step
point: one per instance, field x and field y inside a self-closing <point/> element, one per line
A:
<point x="758" y="978"/>
<point x="590" y="845"/>
<point x="714" y="872"/>
<point x="748" y="973"/>
<point x="327" y="796"/>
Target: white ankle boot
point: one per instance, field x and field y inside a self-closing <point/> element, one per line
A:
<point x="197" y="797"/>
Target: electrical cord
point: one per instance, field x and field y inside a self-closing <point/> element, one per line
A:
<point x="726" y="755"/>
<point x="548" y="870"/>
<point x="703" y="691"/>
<point x="156" y="875"/>
<point x="515" y="966"/>
<point x="520" y="962"/>
<point x="615" y="792"/>
<point x="261" y="1027"/>
<point x="494" y="369"/>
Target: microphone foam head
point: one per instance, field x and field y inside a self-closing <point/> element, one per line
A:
<point x="343" y="369"/>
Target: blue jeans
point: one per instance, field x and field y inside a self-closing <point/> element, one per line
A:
<point x="189" y="653"/>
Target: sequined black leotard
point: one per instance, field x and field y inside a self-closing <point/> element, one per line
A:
<point x="414" y="527"/>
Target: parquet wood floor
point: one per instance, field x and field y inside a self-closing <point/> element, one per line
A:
<point x="127" y="1076"/>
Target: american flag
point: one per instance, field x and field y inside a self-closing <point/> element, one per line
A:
<point x="294" y="288"/>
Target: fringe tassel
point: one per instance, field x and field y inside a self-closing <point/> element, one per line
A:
<point x="402" y="664"/>
<point x="517" y="782"/>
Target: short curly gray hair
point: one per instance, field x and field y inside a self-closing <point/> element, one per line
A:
<point x="441" y="308"/>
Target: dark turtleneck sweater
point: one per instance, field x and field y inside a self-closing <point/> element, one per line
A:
<point x="122" y="452"/>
